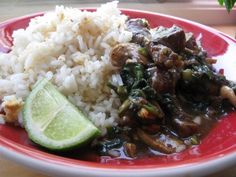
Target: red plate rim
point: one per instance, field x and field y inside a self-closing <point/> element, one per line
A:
<point x="39" y="155"/>
<point x="9" y="147"/>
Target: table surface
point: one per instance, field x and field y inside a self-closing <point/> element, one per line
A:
<point x="11" y="169"/>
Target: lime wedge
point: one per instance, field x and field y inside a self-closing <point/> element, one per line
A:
<point x="53" y="122"/>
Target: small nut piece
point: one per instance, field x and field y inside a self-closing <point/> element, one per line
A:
<point x="130" y="149"/>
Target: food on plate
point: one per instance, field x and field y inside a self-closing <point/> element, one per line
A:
<point x="149" y="91"/>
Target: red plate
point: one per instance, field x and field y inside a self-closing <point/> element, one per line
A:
<point x="217" y="150"/>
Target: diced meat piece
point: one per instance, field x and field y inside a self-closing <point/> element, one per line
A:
<point x="126" y="120"/>
<point x="173" y="38"/>
<point x="161" y="81"/>
<point x="191" y="41"/>
<point x="125" y="51"/>
<point x="164" y="81"/>
<point x="140" y="29"/>
<point x="11" y="110"/>
<point x="185" y="127"/>
<point x="164" y="56"/>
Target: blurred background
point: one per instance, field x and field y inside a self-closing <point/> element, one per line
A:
<point x="208" y="12"/>
<point x="204" y="11"/>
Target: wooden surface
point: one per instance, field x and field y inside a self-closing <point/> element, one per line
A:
<point x="229" y="29"/>
<point x="11" y="169"/>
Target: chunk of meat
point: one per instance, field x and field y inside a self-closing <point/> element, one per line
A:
<point x="173" y="38"/>
<point x="191" y="42"/>
<point x="11" y="109"/>
<point x="185" y="127"/>
<point x="164" y="56"/>
<point x="140" y="30"/>
<point x="164" y="81"/>
<point x="127" y="51"/>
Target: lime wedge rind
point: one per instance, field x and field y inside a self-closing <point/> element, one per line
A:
<point x="83" y="131"/>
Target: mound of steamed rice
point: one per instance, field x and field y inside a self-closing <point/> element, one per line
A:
<point x="71" y="48"/>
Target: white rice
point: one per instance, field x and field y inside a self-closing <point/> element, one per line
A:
<point x="70" y="47"/>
